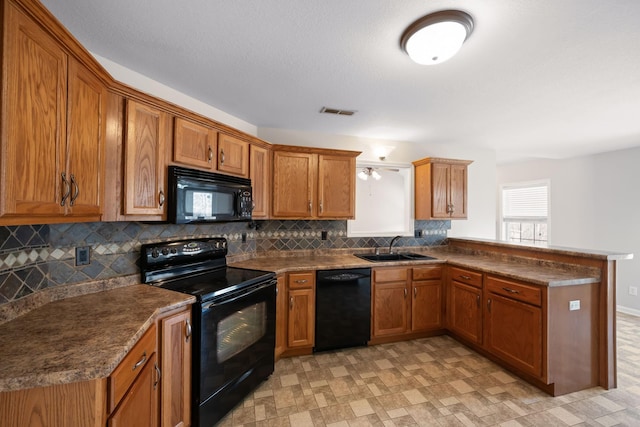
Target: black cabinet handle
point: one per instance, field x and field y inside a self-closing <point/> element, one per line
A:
<point x="76" y="193"/>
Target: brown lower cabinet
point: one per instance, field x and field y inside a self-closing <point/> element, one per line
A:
<point x="529" y="329"/>
<point x="301" y="291"/>
<point x="465" y="304"/>
<point x="150" y="387"/>
<point x="513" y="320"/>
<point x="405" y="302"/>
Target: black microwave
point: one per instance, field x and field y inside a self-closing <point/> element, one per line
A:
<point x="197" y="196"/>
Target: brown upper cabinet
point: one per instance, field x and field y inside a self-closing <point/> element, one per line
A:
<point x="204" y="147"/>
<point x="313" y="183"/>
<point x="260" y="175"/>
<point x="145" y="160"/>
<point x="194" y="144"/>
<point x="53" y="149"/>
<point x="441" y="188"/>
<point x="233" y="155"/>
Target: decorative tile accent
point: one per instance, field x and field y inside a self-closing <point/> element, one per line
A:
<point x="49" y="250"/>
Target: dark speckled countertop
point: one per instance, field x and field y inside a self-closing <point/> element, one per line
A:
<point x="79" y="338"/>
<point x="537" y="272"/>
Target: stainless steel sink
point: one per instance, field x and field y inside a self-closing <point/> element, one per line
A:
<point x="407" y="256"/>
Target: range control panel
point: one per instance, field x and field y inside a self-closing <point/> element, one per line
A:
<point x="183" y="251"/>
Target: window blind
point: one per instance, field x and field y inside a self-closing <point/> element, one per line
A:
<point x="525" y="203"/>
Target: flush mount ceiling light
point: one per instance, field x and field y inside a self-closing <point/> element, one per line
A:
<point x="365" y="173"/>
<point x="436" y="37"/>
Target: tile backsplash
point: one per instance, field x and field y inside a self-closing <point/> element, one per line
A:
<point x="34" y="257"/>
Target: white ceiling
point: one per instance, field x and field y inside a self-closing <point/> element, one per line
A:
<point x="536" y="78"/>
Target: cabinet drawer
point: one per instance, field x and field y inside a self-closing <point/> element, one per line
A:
<point x="131" y="366"/>
<point x="466" y="276"/>
<point x="426" y="273"/>
<point x="390" y="275"/>
<point x="526" y="293"/>
<point x="302" y="280"/>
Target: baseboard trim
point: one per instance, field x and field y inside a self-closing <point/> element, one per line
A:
<point x="627" y="310"/>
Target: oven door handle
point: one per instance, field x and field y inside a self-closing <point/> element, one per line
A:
<point x="223" y="301"/>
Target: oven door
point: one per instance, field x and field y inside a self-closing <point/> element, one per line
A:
<point x="236" y="346"/>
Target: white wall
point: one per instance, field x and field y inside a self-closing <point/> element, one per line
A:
<point x="594" y="205"/>
<point x="482" y="172"/>
<point x="159" y="90"/>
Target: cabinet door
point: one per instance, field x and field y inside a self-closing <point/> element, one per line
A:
<point x="34" y="119"/>
<point x="259" y="173"/>
<point x="139" y="406"/>
<point x="466" y="311"/>
<point x="194" y="144"/>
<point x="281" y="316"/>
<point x="175" y="409"/>
<point x="514" y="333"/>
<point x="301" y="319"/>
<point x="294" y="184"/>
<point x="86" y="145"/>
<point x="145" y="160"/>
<point x="336" y="187"/>
<point x="426" y="305"/>
<point x="233" y="155"/>
<point x="458" y="191"/>
<point x="389" y="308"/>
<point x="440" y="190"/>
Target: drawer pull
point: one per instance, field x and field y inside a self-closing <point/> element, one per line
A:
<point x="76" y="192"/>
<point x="462" y="276"/>
<point x="405" y="292"/>
<point x="489" y="305"/>
<point x="222" y="157"/>
<point x="291" y="303"/>
<point x="140" y="362"/>
<point x="415" y="292"/>
<point x="210" y="154"/>
<point x="512" y="291"/>
<point x="301" y="281"/>
<point x="67" y="188"/>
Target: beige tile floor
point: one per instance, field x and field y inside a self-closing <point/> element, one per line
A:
<point x="432" y="382"/>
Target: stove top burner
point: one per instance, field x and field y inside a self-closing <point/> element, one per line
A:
<point x="196" y="266"/>
<point x="209" y="284"/>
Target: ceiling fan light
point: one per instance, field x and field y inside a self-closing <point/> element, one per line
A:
<point x="437" y="37"/>
<point x="375" y="175"/>
<point x="363" y="175"/>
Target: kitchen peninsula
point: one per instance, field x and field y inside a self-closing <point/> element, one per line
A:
<point x="545" y="313"/>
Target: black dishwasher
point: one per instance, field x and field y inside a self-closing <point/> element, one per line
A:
<point x="343" y="308"/>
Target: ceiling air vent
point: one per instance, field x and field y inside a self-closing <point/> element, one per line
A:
<point x="337" y="111"/>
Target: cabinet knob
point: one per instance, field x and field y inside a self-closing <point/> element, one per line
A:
<point x="405" y="292"/>
<point x="222" y="157"/>
<point x="67" y="189"/>
<point x="161" y="198"/>
<point x="320" y="206"/>
<point x="489" y="305"/>
<point x="291" y="303"/>
<point x="415" y="292"/>
<point x="210" y="154"/>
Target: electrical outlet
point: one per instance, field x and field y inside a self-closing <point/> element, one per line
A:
<point x="83" y="255"/>
<point x="574" y="305"/>
<point x="323" y="235"/>
<point x="633" y="291"/>
<point x="244" y="237"/>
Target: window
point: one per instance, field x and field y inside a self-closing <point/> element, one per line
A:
<point x="525" y="212"/>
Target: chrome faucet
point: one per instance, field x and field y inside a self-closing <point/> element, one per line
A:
<point x="392" y="242"/>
